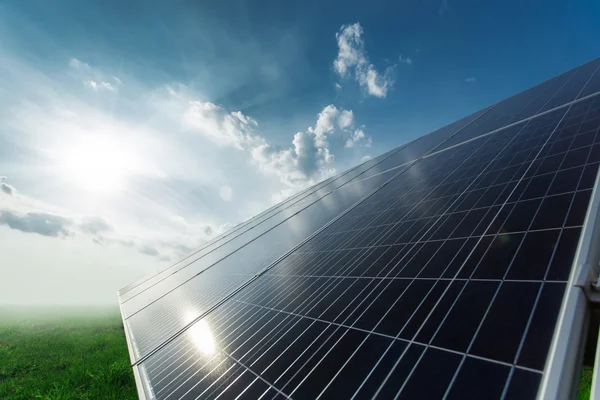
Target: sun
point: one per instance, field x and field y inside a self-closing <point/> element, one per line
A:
<point x="97" y="163"/>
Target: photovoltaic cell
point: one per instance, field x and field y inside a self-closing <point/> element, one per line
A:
<point x="434" y="271"/>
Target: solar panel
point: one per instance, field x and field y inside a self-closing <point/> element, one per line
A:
<point x="442" y="269"/>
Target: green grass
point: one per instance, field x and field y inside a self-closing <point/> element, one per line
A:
<point x="64" y="354"/>
<point x="79" y="354"/>
<point x="585" y="384"/>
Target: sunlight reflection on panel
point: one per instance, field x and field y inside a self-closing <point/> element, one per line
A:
<point x="202" y="337"/>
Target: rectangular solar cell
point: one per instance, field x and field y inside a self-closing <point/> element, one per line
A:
<point x="444" y="269"/>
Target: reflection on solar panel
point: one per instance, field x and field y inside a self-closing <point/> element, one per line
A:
<point x="445" y="268"/>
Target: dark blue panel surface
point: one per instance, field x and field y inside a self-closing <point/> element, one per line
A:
<point x="442" y="277"/>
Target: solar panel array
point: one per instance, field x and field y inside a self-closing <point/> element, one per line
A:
<point x="436" y="270"/>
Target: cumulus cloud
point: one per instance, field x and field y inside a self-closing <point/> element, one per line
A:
<point x="352" y="58"/>
<point x="294" y="165"/>
<point x="358" y="138"/>
<point x="222" y="127"/>
<point x="470" y="79"/>
<point x="346" y="119"/>
<point x="405" y="60"/>
<point x="307" y="160"/>
<point x="365" y="158"/>
<point x="338" y="87"/>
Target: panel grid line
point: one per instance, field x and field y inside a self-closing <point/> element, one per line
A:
<point x="143" y="357"/>
<point x="508" y="269"/>
<point x="545" y="278"/>
<point x="315" y="366"/>
<point x="416" y="269"/>
<point x="445" y="291"/>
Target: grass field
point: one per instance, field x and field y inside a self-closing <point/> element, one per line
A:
<point x="78" y="354"/>
<point x="585" y="384"/>
<point x="63" y="354"/>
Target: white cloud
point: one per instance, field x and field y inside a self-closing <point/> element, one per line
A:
<point x="376" y="84"/>
<point x="346" y="119"/>
<point x="405" y="60"/>
<point x="310" y="158"/>
<point x="470" y="79"/>
<point x="169" y="149"/>
<point x="225" y="193"/>
<point x="107" y="86"/>
<point x="41" y="223"/>
<point x="338" y="87"/>
<point x="78" y="64"/>
<point x="350" y="48"/>
<point x="352" y="57"/>
<point x="95" y="225"/>
<point x="6" y="188"/>
<point x="99" y="85"/>
<point x="168" y="199"/>
<point x="307" y="160"/>
<point x="365" y="158"/>
<point x="91" y="84"/>
<point x="217" y="124"/>
<point x="358" y="138"/>
<point x="22" y="213"/>
<point x="93" y="78"/>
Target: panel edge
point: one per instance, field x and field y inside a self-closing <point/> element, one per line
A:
<point x="566" y="351"/>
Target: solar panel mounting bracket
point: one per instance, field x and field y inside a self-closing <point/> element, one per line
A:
<point x="590" y="284"/>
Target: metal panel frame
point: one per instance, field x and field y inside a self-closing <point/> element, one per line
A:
<point x="140" y="384"/>
<point x="565" y="359"/>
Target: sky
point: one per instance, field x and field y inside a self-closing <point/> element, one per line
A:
<point x="133" y="132"/>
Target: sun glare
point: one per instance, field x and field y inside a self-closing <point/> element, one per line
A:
<point x="99" y="164"/>
<point x="202" y="337"/>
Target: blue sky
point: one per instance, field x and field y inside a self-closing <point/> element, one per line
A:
<point x="131" y="132"/>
